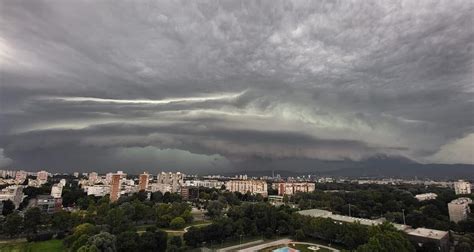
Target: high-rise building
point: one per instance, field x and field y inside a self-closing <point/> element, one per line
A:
<point x="57" y="190"/>
<point x="76" y="174"/>
<point x="93" y="177"/>
<point x="184" y="192"/>
<point x="244" y="186"/>
<point x="13" y="193"/>
<point x="462" y="187"/>
<point x="42" y="177"/>
<point x="175" y="180"/>
<point x="20" y="176"/>
<point x="143" y="181"/>
<point x="459" y="209"/>
<point x="115" y="185"/>
<point x="291" y="188"/>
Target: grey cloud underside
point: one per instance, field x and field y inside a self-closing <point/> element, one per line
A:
<point x="233" y="80"/>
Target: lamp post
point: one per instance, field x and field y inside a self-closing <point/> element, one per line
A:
<point x="403" y="212"/>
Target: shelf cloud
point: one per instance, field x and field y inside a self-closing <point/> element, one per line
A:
<point x="208" y="86"/>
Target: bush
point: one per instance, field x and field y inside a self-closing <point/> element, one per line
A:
<point x="177" y="223"/>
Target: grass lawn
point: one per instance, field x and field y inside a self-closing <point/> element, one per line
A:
<point x="50" y="246"/>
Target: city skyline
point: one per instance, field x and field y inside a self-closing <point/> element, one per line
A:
<point x="214" y="87"/>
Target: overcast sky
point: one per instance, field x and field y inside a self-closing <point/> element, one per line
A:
<point x="205" y="86"/>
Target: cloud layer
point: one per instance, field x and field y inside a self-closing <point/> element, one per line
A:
<point x="99" y="85"/>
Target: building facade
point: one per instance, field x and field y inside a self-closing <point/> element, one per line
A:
<point x="57" y="190"/>
<point x="143" y="181"/>
<point x="13" y="193"/>
<point x="175" y="180"/>
<point x="244" y="186"/>
<point x="459" y="209"/>
<point x="462" y="187"/>
<point x="426" y="196"/>
<point x="42" y="177"/>
<point x="115" y="186"/>
<point x="291" y="188"/>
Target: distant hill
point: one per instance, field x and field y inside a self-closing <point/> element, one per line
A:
<point x="378" y="166"/>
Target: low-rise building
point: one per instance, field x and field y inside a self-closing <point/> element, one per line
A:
<point x="459" y="209"/>
<point x="209" y="183"/>
<point x="425" y="235"/>
<point x="47" y="203"/>
<point x="290" y="188"/>
<point x="159" y="187"/>
<point x="98" y="190"/>
<point x="426" y="196"/>
<point x="418" y="235"/>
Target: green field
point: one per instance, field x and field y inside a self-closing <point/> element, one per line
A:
<point x="50" y="246"/>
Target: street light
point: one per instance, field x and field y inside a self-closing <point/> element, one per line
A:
<point x="403" y="212"/>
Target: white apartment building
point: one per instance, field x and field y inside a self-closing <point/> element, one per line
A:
<point x="159" y="187"/>
<point x="13" y="193"/>
<point x="244" y="186"/>
<point x="291" y="188"/>
<point x="205" y="183"/>
<point x="462" y="187"/>
<point x="93" y="176"/>
<point x="459" y="209"/>
<point x="426" y="196"/>
<point x="175" y="180"/>
<point x="21" y="175"/>
<point x="42" y="177"/>
<point x="57" y="190"/>
<point x="98" y="190"/>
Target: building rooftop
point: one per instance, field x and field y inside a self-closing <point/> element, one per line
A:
<point x="428" y="233"/>
<point x="461" y="201"/>
<point x="368" y="222"/>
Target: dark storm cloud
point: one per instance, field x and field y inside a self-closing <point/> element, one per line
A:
<point x="208" y="84"/>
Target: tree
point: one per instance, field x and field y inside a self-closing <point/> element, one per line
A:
<point x="175" y="244"/>
<point x="177" y="223"/>
<point x="157" y="197"/>
<point x="80" y="236"/>
<point x="13" y="224"/>
<point x="104" y="242"/>
<point x="117" y="221"/>
<point x="385" y="237"/>
<point x="153" y="241"/>
<point x="62" y="221"/>
<point x="128" y="241"/>
<point x="214" y="209"/>
<point x="8" y="207"/>
<point x="33" y="219"/>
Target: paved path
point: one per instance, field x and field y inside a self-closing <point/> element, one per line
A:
<point x="276" y="243"/>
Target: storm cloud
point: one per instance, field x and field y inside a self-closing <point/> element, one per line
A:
<point x="203" y="86"/>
